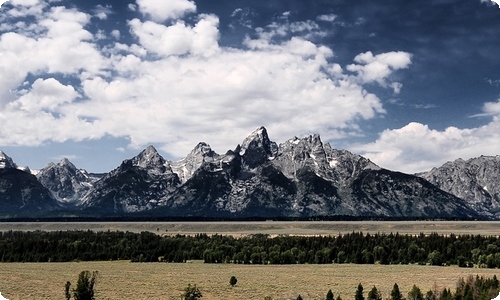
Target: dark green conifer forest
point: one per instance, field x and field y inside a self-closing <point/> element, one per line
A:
<point x="356" y="247"/>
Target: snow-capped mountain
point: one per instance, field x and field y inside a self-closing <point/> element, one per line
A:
<point x="302" y="177"/>
<point x="66" y="183"/>
<point x="201" y="154"/>
<point x="476" y="180"/>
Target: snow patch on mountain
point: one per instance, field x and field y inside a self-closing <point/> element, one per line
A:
<point x="6" y="162"/>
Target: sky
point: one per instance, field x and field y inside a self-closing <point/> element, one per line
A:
<point x="408" y="84"/>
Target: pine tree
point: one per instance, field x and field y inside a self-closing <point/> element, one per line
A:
<point x="359" y="293"/>
<point x="415" y="294"/>
<point x="395" y="293"/>
<point x="329" y="295"/>
<point x="67" y="290"/>
<point x="374" y="294"/>
<point x="85" y="286"/>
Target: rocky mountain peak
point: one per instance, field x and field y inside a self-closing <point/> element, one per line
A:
<point x="150" y="159"/>
<point x="257" y="148"/>
<point x="186" y="167"/>
<point x="6" y="162"/>
<point x="66" y="182"/>
<point x="475" y="180"/>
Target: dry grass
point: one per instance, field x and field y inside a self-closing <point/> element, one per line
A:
<point x="272" y="228"/>
<point x="125" y="280"/>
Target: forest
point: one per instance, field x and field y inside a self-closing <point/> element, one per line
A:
<point x="355" y="247"/>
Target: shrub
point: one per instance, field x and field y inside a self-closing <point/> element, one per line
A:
<point x="192" y="293"/>
<point x="233" y="281"/>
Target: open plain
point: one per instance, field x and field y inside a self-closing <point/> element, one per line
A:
<point x="140" y="281"/>
<point x="126" y="280"/>
<point x="306" y="228"/>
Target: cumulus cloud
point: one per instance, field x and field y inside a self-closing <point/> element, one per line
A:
<point x="62" y="46"/>
<point x="491" y="2"/>
<point x="179" y="38"/>
<point x="492" y="108"/>
<point x="377" y="68"/>
<point x="174" y="84"/>
<point x="46" y="94"/>
<point x="416" y="147"/>
<point x="161" y="10"/>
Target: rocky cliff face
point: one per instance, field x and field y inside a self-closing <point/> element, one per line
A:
<point x="6" y="162"/>
<point x="66" y="183"/>
<point x="476" y="180"/>
<point x="20" y="192"/>
<point x="137" y="184"/>
<point x="302" y="177"/>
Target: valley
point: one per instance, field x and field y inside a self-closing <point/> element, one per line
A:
<point x="305" y="228"/>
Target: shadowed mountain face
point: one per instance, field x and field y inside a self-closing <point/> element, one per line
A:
<point x="302" y="177"/>
<point x="21" y="194"/>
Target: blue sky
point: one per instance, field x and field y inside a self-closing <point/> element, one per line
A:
<point x="408" y="84"/>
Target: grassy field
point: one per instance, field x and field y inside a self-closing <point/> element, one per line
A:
<point x="125" y="280"/>
<point x="270" y="227"/>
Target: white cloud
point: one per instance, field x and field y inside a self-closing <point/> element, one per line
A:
<point x="492" y="108"/>
<point x="378" y="68"/>
<point x="179" y="38"/>
<point x="416" y="148"/>
<point x="60" y="45"/>
<point x="102" y="12"/>
<point x="327" y="18"/>
<point x="46" y="94"/>
<point x="161" y="10"/>
<point x="175" y="85"/>
<point x="492" y="2"/>
<point x="25" y="2"/>
<point x="116" y="34"/>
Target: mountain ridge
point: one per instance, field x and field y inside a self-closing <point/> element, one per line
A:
<point x="300" y="178"/>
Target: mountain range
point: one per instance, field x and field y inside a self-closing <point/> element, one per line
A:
<point x="300" y="178"/>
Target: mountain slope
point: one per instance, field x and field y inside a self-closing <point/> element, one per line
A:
<point x="66" y="183"/>
<point x="136" y="185"/>
<point x="475" y="180"/>
<point x="20" y="192"/>
<point x="302" y="178"/>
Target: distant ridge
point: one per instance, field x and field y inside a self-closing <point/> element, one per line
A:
<point x="300" y="179"/>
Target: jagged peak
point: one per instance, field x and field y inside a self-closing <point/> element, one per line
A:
<point x="259" y="135"/>
<point x="257" y="148"/>
<point x="258" y="139"/>
<point x="148" y="157"/>
<point x="66" y="163"/>
<point x="202" y="149"/>
<point x="6" y="162"/>
<point x="312" y="141"/>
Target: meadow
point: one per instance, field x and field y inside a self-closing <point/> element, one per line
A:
<point x="270" y="227"/>
<point x="126" y="280"/>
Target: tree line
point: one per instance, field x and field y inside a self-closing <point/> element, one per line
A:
<point x="472" y="288"/>
<point x="356" y="247"/>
